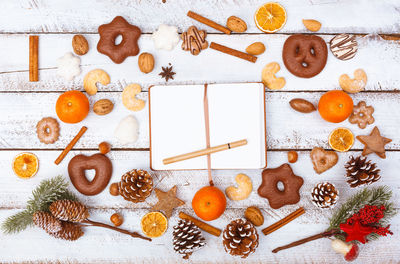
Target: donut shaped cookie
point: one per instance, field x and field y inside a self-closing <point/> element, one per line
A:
<point x="48" y="130"/>
<point x="291" y="186"/>
<point x="98" y="162"/>
<point x="304" y="55"/>
<point x="128" y="46"/>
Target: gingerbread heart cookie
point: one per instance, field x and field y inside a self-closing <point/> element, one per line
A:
<point x="323" y="160"/>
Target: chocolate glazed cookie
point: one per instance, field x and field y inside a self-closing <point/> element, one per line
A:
<point x="305" y="55"/>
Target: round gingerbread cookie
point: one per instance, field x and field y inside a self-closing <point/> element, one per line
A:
<point x="304" y="55"/>
<point x="344" y="46"/>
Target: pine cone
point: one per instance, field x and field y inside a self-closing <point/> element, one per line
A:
<point x="69" y="231"/>
<point x="325" y="195"/>
<point x="240" y="238"/>
<point x="135" y="185"/>
<point x="360" y="171"/>
<point x="47" y="222"/>
<point x="68" y="210"/>
<point x="187" y="238"/>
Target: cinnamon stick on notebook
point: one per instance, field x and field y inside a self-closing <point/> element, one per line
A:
<point x="208" y="22"/>
<point x="233" y="52"/>
<point x="283" y="221"/>
<point x="33" y="58"/>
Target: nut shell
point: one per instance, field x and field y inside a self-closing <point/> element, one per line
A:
<point x="116" y="219"/>
<point x="114" y="189"/>
<point x="292" y="156"/>
<point x="254" y="215"/>
<point x="256" y="48"/>
<point x="80" y="45"/>
<point x="312" y="25"/>
<point x="146" y="62"/>
<point x="104" y="147"/>
<point x="302" y="106"/>
<point x="236" y="24"/>
<point x="103" y="107"/>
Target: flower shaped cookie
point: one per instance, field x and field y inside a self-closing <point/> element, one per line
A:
<point x="166" y="37"/>
<point x="68" y="66"/>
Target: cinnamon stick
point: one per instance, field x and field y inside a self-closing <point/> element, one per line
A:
<point x="200" y="224"/>
<point x="70" y="145"/>
<point x="283" y="221"/>
<point x="208" y="22"/>
<point x="33" y="58"/>
<point x="133" y="234"/>
<point x="233" y="52"/>
<point x="305" y="240"/>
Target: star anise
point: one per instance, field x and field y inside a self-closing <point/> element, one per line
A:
<point x="167" y="73"/>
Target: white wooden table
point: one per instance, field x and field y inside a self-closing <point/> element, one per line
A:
<point x="24" y="103"/>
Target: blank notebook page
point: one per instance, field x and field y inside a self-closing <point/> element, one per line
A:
<point x="236" y="112"/>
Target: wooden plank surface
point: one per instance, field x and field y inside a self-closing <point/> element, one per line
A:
<point x="209" y="66"/>
<point x="337" y="16"/>
<point x="23" y="103"/>
<point x="103" y="246"/>
<point x="286" y="128"/>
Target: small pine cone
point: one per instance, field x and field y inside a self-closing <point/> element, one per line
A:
<point x="360" y="171"/>
<point x="69" y="231"/>
<point x="240" y="238"/>
<point x="187" y="238"/>
<point x="135" y="185"/>
<point x="325" y="195"/>
<point x="68" y="210"/>
<point x="47" y="222"/>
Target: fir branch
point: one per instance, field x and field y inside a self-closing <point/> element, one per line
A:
<point x="380" y="195"/>
<point x="45" y="194"/>
<point x="18" y="222"/>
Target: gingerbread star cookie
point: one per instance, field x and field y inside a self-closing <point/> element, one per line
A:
<point x="291" y="186"/>
<point x="129" y="44"/>
<point x="374" y="143"/>
<point x="167" y="201"/>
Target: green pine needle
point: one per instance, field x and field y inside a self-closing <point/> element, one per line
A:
<point x="380" y="195"/>
<point x="17" y="223"/>
<point x="45" y="194"/>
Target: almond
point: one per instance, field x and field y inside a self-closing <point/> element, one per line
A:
<point x="80" y="45"/>
<point x="103" y="107"/>
<point x="256" y="48"/>
<point x="146" y="62"/>
<point x="236" y="24"/>
<point x="311" y="24"/>
<point x="254" y="215"/>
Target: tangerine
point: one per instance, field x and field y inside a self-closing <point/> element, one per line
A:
<point x="72" y="107"/>
<point x="335" y="106"/>
<point x="209" y="203"/>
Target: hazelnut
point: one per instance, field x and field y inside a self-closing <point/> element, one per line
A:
<point x="104" y="147"/>
<point x="114" y="189"/>
<point x="117" y="219"/>
<point x="292" y="156"/>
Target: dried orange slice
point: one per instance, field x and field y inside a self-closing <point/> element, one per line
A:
<point x="341" y="139"/>
<point x="270" y="17"/>
<point x="25" y="165"/>
<point x="154" y="224"/>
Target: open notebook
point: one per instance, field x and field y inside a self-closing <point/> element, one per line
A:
<point x="177" y="125"/>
